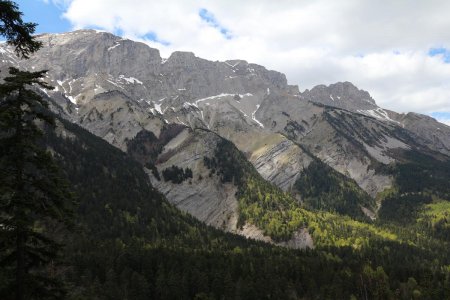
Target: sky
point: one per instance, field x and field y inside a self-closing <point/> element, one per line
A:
<point x="397" y="50"/>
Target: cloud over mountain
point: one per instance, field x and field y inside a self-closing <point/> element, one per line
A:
<point x="385" y="47"/>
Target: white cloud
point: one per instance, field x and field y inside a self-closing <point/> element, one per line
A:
<point x="381" y="46"/>
<point x="61" y="4"/>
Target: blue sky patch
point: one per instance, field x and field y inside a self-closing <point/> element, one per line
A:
<point x="47" y="16"/>
<point x="209" y="18"/>
<point x="152" y="36"/>
<point x="445" y="53"/>
<point x="441" y="115"/>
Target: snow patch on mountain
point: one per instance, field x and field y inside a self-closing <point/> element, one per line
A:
<point x="254" y="118"/>
<point x="112" y="47"/>
<point x="230" y="65"/>
<point x="158" y="108"/>
<point x="99" y="89"/>
<point x="223" y="95"/>
<point x="377" y="113"/>
<point x="130" y="80"/>
<point x="115" y="84"/>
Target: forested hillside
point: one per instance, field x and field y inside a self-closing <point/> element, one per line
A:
<point x="130" y="243"/>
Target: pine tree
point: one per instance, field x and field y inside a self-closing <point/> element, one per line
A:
<point x="34" y="197"/>
<point x="17" y="32"/>
<point x="34" y="200"/>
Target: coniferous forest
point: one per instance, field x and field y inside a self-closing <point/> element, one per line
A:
<point x="80" y="219"/>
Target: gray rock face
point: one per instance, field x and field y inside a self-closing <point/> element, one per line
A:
<point x="328" y="134"/>
<point x="139" y="71"/>
<point x="86" y="52"/>
<point x="203" y="196"/>
<point x="428" y="131"/>
<point x="431" y="133"/>
<point x="281" y="163"/>
<point x="116" y="118"/>
<point x="278" y="159"/>
<point x="342" y="95"/>
<point x="300" y="240"/>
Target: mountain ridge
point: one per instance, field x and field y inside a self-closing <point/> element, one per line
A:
<point x="118" y="88"/>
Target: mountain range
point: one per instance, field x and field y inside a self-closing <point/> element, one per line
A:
<point x="232" y="145"/>
<point x="175" y="111"/>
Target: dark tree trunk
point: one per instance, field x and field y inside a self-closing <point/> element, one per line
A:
<point x="20" y="272"/>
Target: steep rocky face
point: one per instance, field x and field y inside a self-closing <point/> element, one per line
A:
<point x="86" y="61"/>
<point x="431" y="133"/>
<point x="352" y="155"/>
<point x="346" y="96"/>
<point x="116" y="118"/>
<point x="343" y="95"/>
<point x="353" y="144"/>
<point x="86" y="52"/>
<point x="202" y="195"/>
<point x="275" y="157"/>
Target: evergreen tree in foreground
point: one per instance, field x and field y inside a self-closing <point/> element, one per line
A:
<point x="34" y="200"/>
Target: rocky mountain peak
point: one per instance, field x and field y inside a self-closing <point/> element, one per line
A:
<point x="181" y="58"/>
<point x="243" y="68"/>
<point x="86" y="52"/>
<point x="342" y="95"/>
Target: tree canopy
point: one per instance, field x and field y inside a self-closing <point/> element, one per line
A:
<point x="34" y="200"/>
<point x="17" y="32"/>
